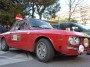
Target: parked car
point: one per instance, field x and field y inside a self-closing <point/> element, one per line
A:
<point x="71" y="26"/>
<point x="2" y="29"/>
<point x="39" y="37"/>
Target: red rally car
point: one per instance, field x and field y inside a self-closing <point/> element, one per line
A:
<point x="38" y="36"/>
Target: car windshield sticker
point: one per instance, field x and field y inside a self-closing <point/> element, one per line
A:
<point x="15" y="37"/>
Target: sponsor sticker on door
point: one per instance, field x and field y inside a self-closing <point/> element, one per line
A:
<point x="15" y="37"/>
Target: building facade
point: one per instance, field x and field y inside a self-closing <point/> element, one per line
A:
<point x="81" y="15"/>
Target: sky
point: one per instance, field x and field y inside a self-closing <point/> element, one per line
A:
<point x="64" y="6"/>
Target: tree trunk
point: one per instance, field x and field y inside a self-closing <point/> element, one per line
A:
<point x="33" y="10"/>
<point x="40" y="16"/>
<point x="69" y="16"/>
<point x="69" y="11"/>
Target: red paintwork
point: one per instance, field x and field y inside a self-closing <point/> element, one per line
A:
<point x="58" y="38"/>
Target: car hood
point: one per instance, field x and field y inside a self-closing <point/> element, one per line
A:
<point x="61" y="32"/>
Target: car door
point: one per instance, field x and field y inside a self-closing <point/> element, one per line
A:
<point x="24" y="33"/>
<point x="19" y="36"/>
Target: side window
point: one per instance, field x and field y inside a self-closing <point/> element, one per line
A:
<point x="76" y="28"/>
<point x="62" y="27"/>
<point x="24" y="26"/>
<point x="68" y="28"/>
<point x="55" y="26"/>
<point x="16" y="26"/>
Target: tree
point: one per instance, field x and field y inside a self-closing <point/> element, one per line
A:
<point x="51" y="11"/>
<point x="26" y="5"/>
<point x="9" y="11"/>
<point x="10" y="8"/>
<point x="41" y="5"/>
<point x="73" y="4"/>
<point x="29" y="6"/>
<point x="66" y="20"/>
<point x="2" y="5"/>
<point x="36" y="6"/>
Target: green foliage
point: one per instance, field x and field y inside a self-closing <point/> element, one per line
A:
<point x="25" y="7"/>
<point x="41" y="5"/>
<point x="72" y="20"/>
<point x="66" y="20"/>
<point x="57" y="21"/>
<point x="51" y="10"/>
<point x="9" y="11"/>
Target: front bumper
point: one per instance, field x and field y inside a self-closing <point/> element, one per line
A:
<point x="76" y="50"/>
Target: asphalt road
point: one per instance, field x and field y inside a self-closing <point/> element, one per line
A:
<point x="20" y="58"/>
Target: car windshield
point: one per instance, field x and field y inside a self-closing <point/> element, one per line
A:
<point x="40" y="24"/>
<point x="83" y="27"/>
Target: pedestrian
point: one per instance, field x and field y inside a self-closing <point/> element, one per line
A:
<point x="2" y="29"/>
<point x="19" y="17"/>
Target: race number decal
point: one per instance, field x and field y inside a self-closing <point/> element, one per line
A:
<point x="15" y="37"/>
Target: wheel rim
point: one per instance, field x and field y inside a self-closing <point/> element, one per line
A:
<point x="41" y="50"/>
<point x="3" y="43"/>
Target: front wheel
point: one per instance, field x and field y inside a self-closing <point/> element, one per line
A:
<point x="44" y="50"/>
<point x="4" y="46"/>
<point x="74" y="56"/>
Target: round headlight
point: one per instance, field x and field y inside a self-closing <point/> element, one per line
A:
<point x="86" y="42"/>
<point x="74" y="40"/>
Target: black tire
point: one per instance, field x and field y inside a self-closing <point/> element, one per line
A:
<point x="4" y="46"/>
<point x="74" y="56"/>
<point x="47" y="53"/>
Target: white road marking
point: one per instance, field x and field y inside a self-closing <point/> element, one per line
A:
<point x="4" y="60"/>
<point x="2" y="52"/>
<point x="15" y="59"/>
<point x="10" y="61"/>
